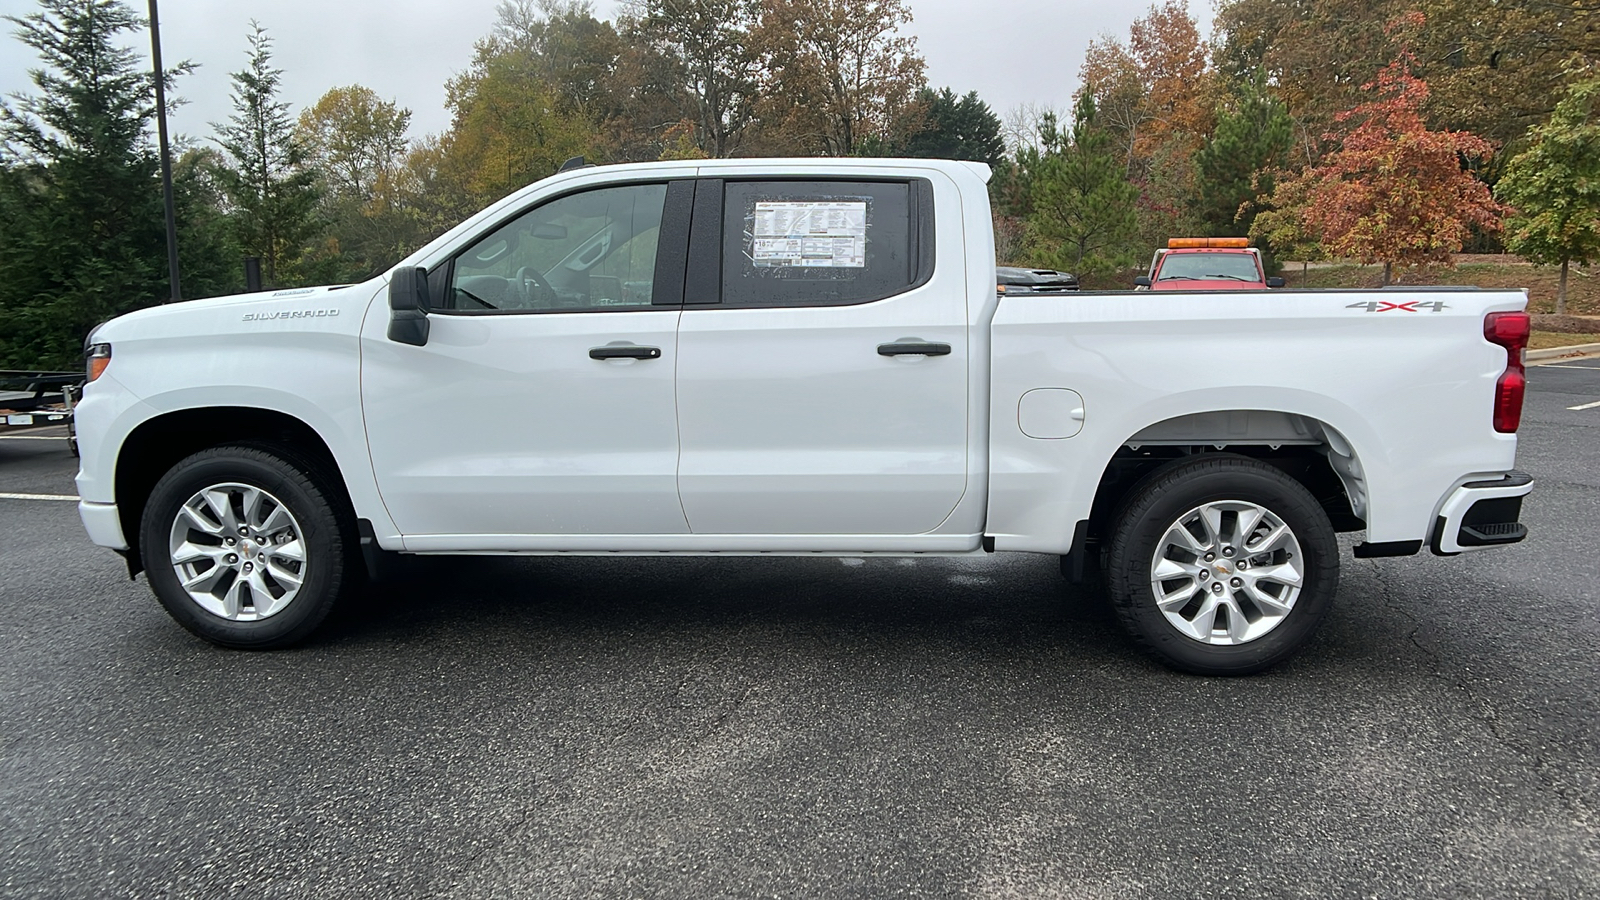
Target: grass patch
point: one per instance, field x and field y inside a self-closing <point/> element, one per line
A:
<point x="1544" y="340"/>
<point x="1541" y="282"/>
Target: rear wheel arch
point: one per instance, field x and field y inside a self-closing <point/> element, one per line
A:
<point x="1307" y="449"/>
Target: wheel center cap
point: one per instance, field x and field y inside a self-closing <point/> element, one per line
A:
<point x="1222" y="569"/>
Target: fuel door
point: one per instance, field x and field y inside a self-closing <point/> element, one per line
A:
<point x="1050" y="414"/>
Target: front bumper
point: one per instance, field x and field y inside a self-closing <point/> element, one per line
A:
<point x="1482" y="514"/>
<point x="104" y="524"/>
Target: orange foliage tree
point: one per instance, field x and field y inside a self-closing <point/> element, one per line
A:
<point x="1156" y="92"/>
<point x="1392" y="191"/>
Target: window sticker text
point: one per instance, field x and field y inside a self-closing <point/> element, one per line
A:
<point x="809" y="234"/>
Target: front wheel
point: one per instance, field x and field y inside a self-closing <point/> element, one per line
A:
<point x="245" y="547"/>
<point x="1222" y="565"/>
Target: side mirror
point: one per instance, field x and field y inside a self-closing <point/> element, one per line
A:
<point x="408" y="306"/>
<point x="1142" y="281"/>
<point x="1274" y="281"/>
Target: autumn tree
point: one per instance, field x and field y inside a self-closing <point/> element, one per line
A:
<point x="1153" y="95"/>
<point x="356" y="143"/>
<point x="1155" y="90"/>
<point x="838" y="71"/>
<point x="1392" y="191"/>
<point x="1081" y="204"/>
<point x="1240" y="158"/>
<point x="1112" y="79"/>
<point x="510" y="124"/>
<point x="1316" y="53"/>
<point x="1555" y="187"/>
<point x="566" y="48"/>
<point x="1172" y="62"/>
<point x="508" y="132"/>
<point x="433" y="188"/>
<point x="1494" y="69"/>
<point x="709" y="46"/>
<point x="355" y="139"/>
<point x="1277" y="222"/>
<point x="271" y="195"/>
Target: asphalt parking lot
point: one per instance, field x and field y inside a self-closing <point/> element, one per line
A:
<point x="815" y="728"/>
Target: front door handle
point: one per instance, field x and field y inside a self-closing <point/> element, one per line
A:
<point x="913" y="348"/>
<point x="624" y="351"/>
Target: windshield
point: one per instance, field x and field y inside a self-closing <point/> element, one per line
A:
<point x="1209" y="266"/>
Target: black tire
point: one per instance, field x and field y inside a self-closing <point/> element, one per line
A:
<point x="1158" y="503"/>
<point x="326" y="528"/>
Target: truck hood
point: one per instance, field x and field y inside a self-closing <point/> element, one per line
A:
<point x="334" y="308"/>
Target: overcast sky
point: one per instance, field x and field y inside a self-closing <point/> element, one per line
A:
<point x="1012" y="52"/>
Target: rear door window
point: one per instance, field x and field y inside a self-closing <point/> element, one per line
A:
<point x="809" y="243"/>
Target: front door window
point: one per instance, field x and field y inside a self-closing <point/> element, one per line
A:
<point x="587" y="251"/>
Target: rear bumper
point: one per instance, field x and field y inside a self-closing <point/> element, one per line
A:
<point x="104" y="524"/>
<point x="1482" y="514"/>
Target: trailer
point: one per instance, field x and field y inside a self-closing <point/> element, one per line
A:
<point x="36" y="400"/>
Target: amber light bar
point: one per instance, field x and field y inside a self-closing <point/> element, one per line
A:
<point x="1207" y="243"/>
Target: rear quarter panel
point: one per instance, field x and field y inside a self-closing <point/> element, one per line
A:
<point x="1406" y="378"/>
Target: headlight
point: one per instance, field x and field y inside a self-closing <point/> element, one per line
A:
<point x="98" y="356"/>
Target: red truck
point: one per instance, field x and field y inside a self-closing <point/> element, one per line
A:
<point x="1207" y="264"/>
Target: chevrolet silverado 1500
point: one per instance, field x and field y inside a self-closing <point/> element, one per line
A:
<point x="801" y="357"/>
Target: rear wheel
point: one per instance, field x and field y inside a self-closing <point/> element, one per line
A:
<point x="1222" y="565"/>
<point x="245" y="546"/>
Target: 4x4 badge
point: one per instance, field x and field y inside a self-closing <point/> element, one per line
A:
<point x="1408" y="306"/>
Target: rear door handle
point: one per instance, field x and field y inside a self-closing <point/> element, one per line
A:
<point x="624" y="351"/>
<point x="913" y="348"/>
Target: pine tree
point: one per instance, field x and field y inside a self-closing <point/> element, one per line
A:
<point x="272" y="195"/>
<point x="955" y="128"/>
<point x="1237" y="162"/>
<point x="81" y="228"/>
<point x="1082" y="203"/>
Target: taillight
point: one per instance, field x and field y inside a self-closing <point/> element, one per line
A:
<point x="98" y="356"/>
<point x="1509" y="330"/>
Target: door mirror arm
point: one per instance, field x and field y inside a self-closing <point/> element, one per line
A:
<point x="408" y="306"/>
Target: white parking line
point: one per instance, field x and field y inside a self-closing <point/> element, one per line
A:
<point x="1586" y="405"/>
<point x="71" y="497"/>
<point x="32" y="437"/>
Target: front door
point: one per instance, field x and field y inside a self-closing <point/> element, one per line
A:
<point x="542" y="403"/>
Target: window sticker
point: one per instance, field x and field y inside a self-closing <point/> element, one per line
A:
<point x="809" y="234"/>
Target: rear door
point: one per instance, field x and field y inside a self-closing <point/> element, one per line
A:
<point x="822" y="360"/>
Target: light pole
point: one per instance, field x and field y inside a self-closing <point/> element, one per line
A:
<point x="166" y="153"/>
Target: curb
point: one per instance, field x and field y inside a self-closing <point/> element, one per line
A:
<point x="1560" y="352"/>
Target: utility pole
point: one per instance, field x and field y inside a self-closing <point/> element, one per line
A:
<point x="166" y="152"/>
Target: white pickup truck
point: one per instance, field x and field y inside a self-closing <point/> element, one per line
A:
<point x="802" y="357"/>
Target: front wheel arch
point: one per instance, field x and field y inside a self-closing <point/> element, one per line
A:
<point x="159" y="443"/>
